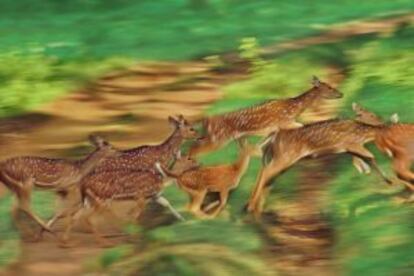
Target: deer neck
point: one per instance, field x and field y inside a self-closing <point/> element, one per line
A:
<point x="89" y="163"/>
<point x="373" y="130"/>
<point x="172" y="145"/>
<point x="305" y="100"/>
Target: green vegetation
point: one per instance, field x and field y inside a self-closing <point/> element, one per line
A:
<point x="165" y="29"/>
<point x="43" y="203"/>
<point x="190" y="248"/>
<point x="28" y="80"/>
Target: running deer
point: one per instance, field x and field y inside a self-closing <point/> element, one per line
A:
<point x="144" y="157"/>
<point x="199" y="181"/>
<point x="21" y="174"/>
<point x="397" y="141"/>
<point x="313" y="140"/>
<point x="261" y="119"/>
<point x="101" y="189"/>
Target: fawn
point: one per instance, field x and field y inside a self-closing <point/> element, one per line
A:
<point x="197" y="182"/>
<point x="21" y="174"/>
<point x="396" y="140"/>
<point x="144" y="157"/>
<point x="99" y="189"/>
<point x="261" y="119"/>
<point x="326" y="137"/>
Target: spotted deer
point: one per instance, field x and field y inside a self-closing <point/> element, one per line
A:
<point x="144" y="157"/>
<point x="198" y="181"/>
<point x="21" y="174"/>
<point x="262" y="119"/>
<point x="396" y="140"/>
<point x="100" y="189"/>
<point x="326" y="137"/>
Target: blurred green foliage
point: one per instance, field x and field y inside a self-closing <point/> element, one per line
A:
<point x="43" y="204"/>
<point x="27" y="80"/>
<point x="190" y="259"/>
<point x="232" y="234"/>
<point x="165" y="29"/>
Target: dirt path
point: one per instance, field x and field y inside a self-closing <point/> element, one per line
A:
<point x="128" y="108"/>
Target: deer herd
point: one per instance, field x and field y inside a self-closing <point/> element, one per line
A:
<point x="139" y="175"/>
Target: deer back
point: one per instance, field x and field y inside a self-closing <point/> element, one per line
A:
<point x="144" y="157"/>
<point x="122" y="184"/>
<point x="331" y="136"/>
<point x="46" y="171"/>
<point x="267" y="116"/>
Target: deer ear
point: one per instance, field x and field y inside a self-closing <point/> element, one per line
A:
<point x="315" y="81"/>
<point x="181" y="119"/>
<point x="395" y="118"/>
<point x="98" y="141"/>
<point x="172" y="121"/>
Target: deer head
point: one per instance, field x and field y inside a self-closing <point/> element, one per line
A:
<point x="184" y="163"/>
<point x="103" y="148"/>
<point x="325" y="90"/>
<point x="183" y="126"/>
<point x="366" y="117"/>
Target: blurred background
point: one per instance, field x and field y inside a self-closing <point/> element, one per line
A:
<point x="119" y="68"/>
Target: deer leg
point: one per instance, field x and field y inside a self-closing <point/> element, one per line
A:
<point x="267" y="172"/>
<point x="366" y="155"/>
<point x="24" y="198"/>
<point x="223" y="200"/>
<point x="212" y="205"/>
<point x="69" y="203"/>
<point x="264" y="176"/>
<point x="401" y="166"/>
<point x="196" y="202"/>
<point x="70" y="218"/>
<point x="165" y="203"/>
<point x="360" y="165"/>
<point x="138" y="208"/>
<point x="97" y="235"/>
